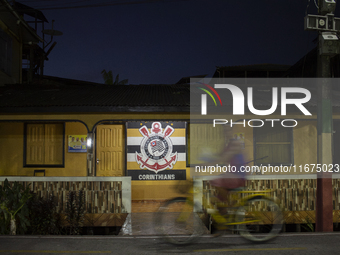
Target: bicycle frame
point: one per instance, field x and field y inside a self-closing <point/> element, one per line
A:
<point x="230" y="220"/>
<point x="245" y="216"/>
<point x="197" y="197"/>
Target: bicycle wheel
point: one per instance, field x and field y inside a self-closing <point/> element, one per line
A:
<point x="179" y="222"/>
<point x="262" y="219"/>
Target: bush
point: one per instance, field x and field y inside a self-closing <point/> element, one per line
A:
<point x="75" y="211"/>
<point x="13" y="208"/>
<point x="43" y="217"/>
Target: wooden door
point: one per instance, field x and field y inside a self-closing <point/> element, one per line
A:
<point x="110" y="150"/>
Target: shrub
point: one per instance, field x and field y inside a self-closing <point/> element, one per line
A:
<point x="43" y="217"/>
<point x="13" y="208"/>
<point x="75" y="211"/>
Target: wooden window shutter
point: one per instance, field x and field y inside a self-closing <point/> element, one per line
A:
<point x="44" y="144"/>
<point x="53" y="144"/>
<point x="35" y="153"/>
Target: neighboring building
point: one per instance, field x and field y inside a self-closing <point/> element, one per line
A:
<point x="16" y="36"/>
<point x="22" y="50"/>
<point x="306" y="67"/>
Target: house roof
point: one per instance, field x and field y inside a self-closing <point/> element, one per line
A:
<point x="185" y="80"/>
<point x="118" y="98"/>
<point x="256" y="67"/>
<point x="306" y="67"/>
<point x="61" y="95"/>
<point x="24" y="9"/>
<point x="258" y="70"/>
<point x="94" y="98"/>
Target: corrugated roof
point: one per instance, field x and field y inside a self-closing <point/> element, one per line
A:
<point x="62" y="96"/>
<point x="96" y="97"/>
<point x="256" y="67"/>
<point x="252" y="71"/>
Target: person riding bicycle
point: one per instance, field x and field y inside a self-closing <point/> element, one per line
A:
<point x="235" y="178"/>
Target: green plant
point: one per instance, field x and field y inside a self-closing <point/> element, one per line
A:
<point x="108" y="79"/>
<point x="4" y="224"/>
<point x="13" y="208"/>
<point x="43" y="216"/>
<point x="75" y="211"/>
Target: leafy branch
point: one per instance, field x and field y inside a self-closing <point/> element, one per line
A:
<point x="108" y="79"/>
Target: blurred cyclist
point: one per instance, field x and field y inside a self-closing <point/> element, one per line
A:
<point x="231" y="155"/>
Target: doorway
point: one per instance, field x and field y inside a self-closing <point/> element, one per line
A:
<point x="110" y="150"/>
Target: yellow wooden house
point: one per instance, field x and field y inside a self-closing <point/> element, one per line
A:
<point x="66" y="135"/>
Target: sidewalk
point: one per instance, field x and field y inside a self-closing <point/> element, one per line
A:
<point x="141" y="220"/>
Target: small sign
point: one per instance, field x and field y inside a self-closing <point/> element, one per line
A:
<point x="77" y="143"/>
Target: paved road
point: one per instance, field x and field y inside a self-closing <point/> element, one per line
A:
<point x="327" y="243"/>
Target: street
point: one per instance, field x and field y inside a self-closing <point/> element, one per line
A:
<point x="314" y="243"/>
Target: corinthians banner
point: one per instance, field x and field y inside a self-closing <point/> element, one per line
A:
<point x="156" y="150"/>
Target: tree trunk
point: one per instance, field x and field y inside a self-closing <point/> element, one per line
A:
<point x="13" y="228"/>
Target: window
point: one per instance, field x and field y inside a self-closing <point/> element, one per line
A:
<point x="204" y="140"/>
<point x="44" y="145"/>
<point x="273" y="143"/>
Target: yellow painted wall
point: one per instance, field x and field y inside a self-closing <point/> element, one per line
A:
<point x="92" y="119"/>
<point x="248" y="152"/>
<point x="305" y="143"/>
<point x="12" y="149"/>
<point x="304" y="147"/>
<point x="153" y="190"/>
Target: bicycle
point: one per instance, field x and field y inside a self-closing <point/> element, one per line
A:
<point x="255" y="216"/>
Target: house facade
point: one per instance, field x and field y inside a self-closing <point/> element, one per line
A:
<point x="144" y="133"/>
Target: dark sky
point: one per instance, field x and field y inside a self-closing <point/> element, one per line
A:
<point x="161" y="41"/>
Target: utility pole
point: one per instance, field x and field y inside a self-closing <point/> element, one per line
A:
<point x="328" y="46"/>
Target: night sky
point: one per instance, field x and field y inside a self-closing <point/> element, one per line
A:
<point x="160" y="42"/>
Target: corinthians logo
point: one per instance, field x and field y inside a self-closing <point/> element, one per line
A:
<point x="156" y="148"/>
